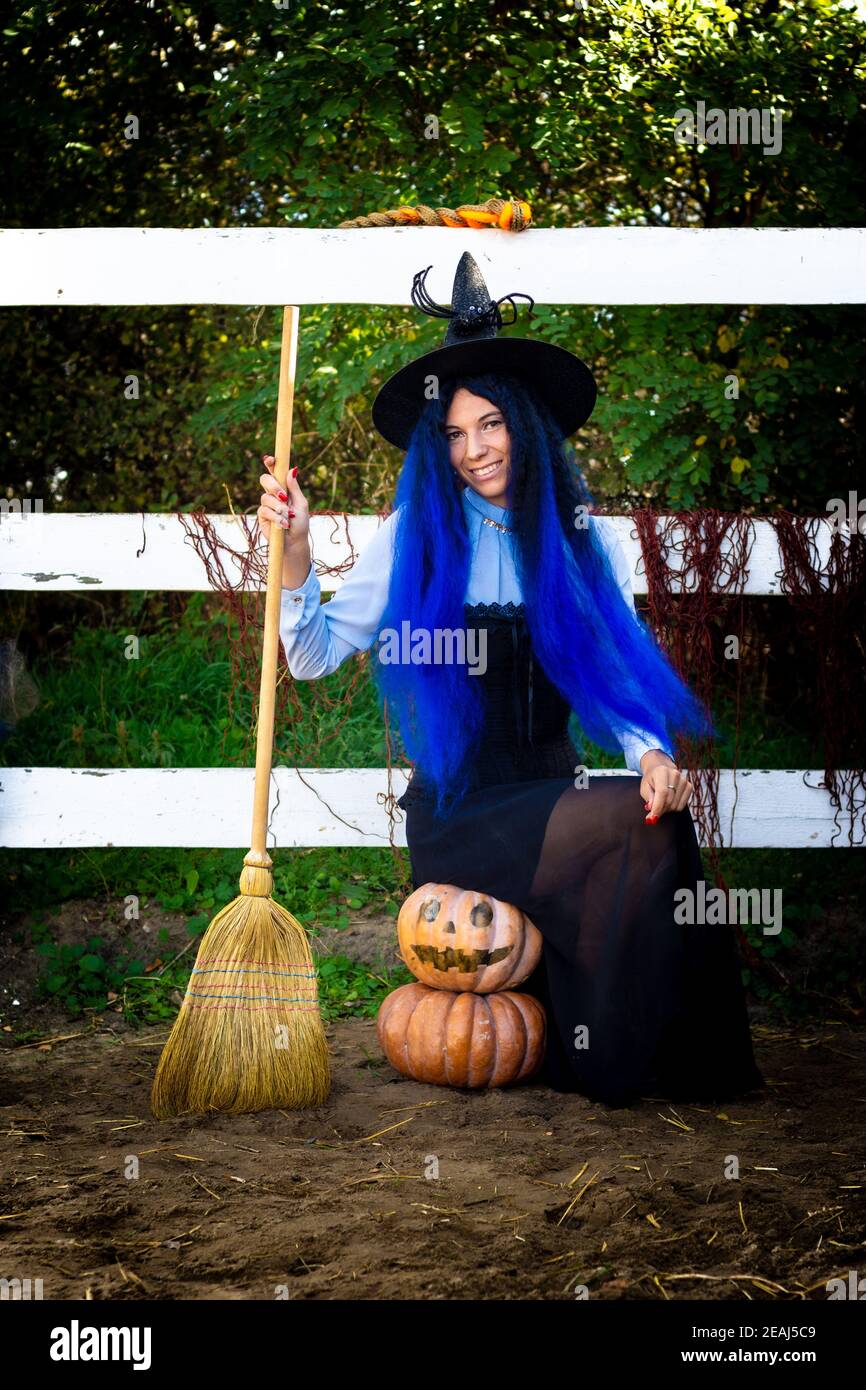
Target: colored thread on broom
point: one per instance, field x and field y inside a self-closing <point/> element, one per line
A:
<point x="254" y="985"/>
<point x="256" y="1008"/>
<point x="509" y="214"/>
<point x="242" y="970"/>
<point x="231" y="960"/>
<point x="277" y="999"/>
<point x="235" y="1008"/>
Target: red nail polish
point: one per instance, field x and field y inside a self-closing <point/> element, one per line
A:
<point x="651" y="820"/>
<point x="283" y="496"/>
<point x="294" y="472"/>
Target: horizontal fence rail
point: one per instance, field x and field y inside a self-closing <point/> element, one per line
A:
<point x="42" y="807"/>
<point x="152" y="551"/>
<point x="568" y="265"/>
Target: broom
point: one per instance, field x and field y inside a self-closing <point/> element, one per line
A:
<point x="249" y="1035"/>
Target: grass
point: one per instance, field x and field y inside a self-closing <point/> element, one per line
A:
<point x="170" y="706"/>
<point x="317" y="885"/>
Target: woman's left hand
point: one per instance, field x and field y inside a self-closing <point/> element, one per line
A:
<point x="663" y="787"/>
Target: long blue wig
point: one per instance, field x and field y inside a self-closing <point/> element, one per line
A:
<point x="590" y="643"/>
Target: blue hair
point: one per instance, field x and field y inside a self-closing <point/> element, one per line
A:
<point x="588" y="640"/>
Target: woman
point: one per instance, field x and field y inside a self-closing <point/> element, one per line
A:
<point x="491" y="541"/>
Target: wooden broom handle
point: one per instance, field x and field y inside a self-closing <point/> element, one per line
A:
<point x="270" y="647"/>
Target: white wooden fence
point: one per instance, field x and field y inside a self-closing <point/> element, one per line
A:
<point x="199" y="807"/>
<point x="131" y="550"/>
<point x="581" y="265"/>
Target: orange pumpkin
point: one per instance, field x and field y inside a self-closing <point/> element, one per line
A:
<point x="448" y="1038"/>
<point x="454" y="938"/>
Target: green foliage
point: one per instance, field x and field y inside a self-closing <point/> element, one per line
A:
<point x="350" y="990"/>
<point x="702" y="404"/>
<point x="317" y="885"/>
<point x="20" y="1036"/>
<point x="329" y="897"/>
<point x="79" y="977"/>
<point x="253" y="115"/>
<point x="149" y="999"/>
<point x="578" y="112"/>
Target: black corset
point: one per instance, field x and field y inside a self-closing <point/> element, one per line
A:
<point x="525" y="733"/>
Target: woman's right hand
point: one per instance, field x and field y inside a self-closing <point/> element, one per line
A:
<point x="286" y="507"/>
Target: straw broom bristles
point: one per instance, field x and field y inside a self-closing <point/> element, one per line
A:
<point x="249" y="1035"/>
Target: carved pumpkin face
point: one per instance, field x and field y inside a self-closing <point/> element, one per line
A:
<point x="460" y="1039"/>
<point x="457" y="939"/>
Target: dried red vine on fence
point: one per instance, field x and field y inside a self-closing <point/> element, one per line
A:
<point x="714" y="548"/>
<point x="829" y="599"/>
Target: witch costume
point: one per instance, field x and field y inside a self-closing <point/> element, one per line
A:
<point x="636" y="1002"/>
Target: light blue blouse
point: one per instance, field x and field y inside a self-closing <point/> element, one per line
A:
<point x="318" y="637"/>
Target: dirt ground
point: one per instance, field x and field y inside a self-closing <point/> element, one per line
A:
<point x="399" y="1190"/>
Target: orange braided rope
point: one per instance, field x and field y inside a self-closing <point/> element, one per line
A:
<point x="510" y="214"/>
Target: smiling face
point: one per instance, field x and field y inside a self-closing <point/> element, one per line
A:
<point x="479" y="445"/>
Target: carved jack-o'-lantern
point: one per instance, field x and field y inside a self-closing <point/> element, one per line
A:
<point x="460" y="1039"/>
<point x="454" y="938"/>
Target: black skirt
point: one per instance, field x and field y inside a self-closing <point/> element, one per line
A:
<point x="636" y="1003"/>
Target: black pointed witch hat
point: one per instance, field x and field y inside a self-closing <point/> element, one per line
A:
<point x="472" y="346"/>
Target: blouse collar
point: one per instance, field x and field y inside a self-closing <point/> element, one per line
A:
<point x="480" y="504"/>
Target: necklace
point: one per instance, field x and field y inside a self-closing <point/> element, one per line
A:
<point x="497" y="525"/>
